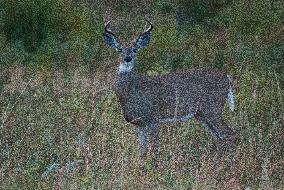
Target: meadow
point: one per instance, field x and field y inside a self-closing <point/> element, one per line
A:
<point x="61" y="126"/>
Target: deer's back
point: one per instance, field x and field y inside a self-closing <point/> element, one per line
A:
<point x="177" y="94"/>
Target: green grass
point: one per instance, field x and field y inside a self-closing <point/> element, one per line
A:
<point x="61" y="125"/>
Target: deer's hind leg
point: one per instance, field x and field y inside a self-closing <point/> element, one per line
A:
<point x="209" y="128"/>
<point x="226" y="136"/>
<point x="222" y="134"/>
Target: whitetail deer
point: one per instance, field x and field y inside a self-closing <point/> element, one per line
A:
<point x="148" y="102"/>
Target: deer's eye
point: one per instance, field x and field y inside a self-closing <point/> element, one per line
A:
<point x="119" y="50"/>
<point x="134" y="50"/>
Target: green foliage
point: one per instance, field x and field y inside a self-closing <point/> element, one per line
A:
<point x="26" y="20"/>
<point x="33" y="22"/>
<point x="201" y="10"/>
<point x="164" y="6"/>
<point x="164" y="42"/>
<point x="246" y="18"/>
<point x="54" y="108"/>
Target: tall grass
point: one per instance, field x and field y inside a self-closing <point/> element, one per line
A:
<point x="60" y="123"/>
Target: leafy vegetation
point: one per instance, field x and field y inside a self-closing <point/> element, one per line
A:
<point x="60" y="123"/>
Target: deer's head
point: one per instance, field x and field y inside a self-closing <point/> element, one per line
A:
<point x="127" y="54"/>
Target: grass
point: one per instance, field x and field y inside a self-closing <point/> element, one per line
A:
<point x="61" y="126"/>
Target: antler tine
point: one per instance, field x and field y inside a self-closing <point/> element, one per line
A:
<point x="106" y="23"/>
<point x="107" y="15"/>
<point x="151" y="25"/>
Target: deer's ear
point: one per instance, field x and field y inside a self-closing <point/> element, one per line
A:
<point x="143" y="40"/>
<point x="112" y="41"/>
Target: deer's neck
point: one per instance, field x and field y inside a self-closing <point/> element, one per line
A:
<point x="123" y="81"/>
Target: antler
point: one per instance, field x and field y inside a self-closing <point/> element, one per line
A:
<point x="106" y="24"/>
<point x="148" y="22"/>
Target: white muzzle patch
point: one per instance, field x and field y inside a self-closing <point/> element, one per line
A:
<point x="125" y="67"/>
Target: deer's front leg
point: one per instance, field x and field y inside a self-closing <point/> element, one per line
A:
<point x="142" y="138"/>
<point x="154" y="133"/>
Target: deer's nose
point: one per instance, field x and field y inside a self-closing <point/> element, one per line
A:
<point x="127" y="59"/>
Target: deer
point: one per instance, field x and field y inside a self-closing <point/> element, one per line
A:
<point x="148" y="102"/>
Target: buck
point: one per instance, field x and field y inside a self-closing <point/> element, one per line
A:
<point x="151" y="101"/>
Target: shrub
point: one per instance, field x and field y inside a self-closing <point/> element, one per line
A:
<point x="31" y="21"/>
<point x="198" y="11"/>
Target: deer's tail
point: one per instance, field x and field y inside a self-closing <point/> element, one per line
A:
<point x="231" y="95"/>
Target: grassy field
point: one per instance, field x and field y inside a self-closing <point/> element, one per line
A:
<point x="60" y="123"/>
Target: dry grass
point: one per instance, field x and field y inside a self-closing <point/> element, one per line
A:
<point x="61" y="126"/>
<point x="71" y="120"/>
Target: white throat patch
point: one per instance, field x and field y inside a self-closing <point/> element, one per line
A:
<point x="125" y="67"/>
